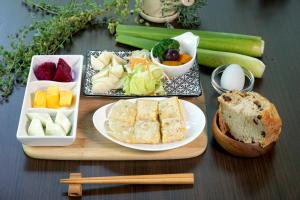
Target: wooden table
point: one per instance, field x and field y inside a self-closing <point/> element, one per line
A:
<point x="218" y="175"/>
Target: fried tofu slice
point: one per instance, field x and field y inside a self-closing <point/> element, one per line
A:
<point x="147" y="110"/>
<point x="147" y="132"/>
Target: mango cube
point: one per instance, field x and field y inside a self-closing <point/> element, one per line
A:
<point x="39" y="99"/>
<point x="53" y="97"/>
<point x="66" y="97"/>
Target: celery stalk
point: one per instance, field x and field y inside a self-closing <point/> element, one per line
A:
<point x="217" y="58"/>
<point x="228" y="42"/>
<point x="205" y="57"/>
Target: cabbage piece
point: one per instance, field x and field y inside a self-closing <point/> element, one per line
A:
<point x="143" y="81"/>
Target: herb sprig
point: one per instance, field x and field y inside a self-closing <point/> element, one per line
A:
<point x="49" y="35"/>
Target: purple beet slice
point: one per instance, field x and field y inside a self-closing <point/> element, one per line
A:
<point x="63" y="72"/>
<point x="45" y="71"/>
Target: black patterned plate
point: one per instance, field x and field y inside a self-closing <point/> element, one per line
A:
<point x="185" y="85"/>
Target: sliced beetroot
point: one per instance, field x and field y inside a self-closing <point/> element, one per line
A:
<point x="45" y="71"/>
<point x="63" y="72"/>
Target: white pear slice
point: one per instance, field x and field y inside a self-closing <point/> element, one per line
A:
<point x="53" y="129"/>
<point x="63" y="121"/>
<point x="104" y="84"/>
<point x="105" y="57"/>
<point x="100" y="74"/>
<point x="96" y="63"/>
<point x="36" y="128"/>
<point x="116" y="60"/>
<point x="43" y="117"/>
<point x="117" y="70"/>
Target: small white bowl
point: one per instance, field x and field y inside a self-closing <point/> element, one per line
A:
<point x="188" y="44"/>
<point x="216" y="80"/>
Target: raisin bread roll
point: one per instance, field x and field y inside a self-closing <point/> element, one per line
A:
<point x="249" y="117"/>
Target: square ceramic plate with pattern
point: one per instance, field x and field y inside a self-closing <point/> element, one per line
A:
<point x="185" y="85"/>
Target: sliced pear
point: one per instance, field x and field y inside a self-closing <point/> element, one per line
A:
<point x="43" y="117"/>
<point x="116" y="60"/>
<point x="63" y="121"/>
<point x="117" y="70"/>
<point x="53" y="129"/>
<point x="105" y="57"/>
<point x="36" y="128"/>
<point x="96" y="63"/>
<point x="101" y="74"/>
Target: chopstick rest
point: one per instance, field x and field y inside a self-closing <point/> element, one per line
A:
<point x="76" y="180"/>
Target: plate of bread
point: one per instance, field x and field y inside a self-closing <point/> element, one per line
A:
<point x="150" y="124"/>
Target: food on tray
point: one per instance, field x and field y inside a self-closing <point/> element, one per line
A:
<point x="63" y="72"/>
<point x="147" y="132"/>
<point x="121" y="119"/>
<point x="138" y="122"/>
<point x="138" y="77"/>
<point x="123" y="111"/>
<point x="111" y="74"/>
<point x="147" y="110"/>
<point x="171" y="119"/>
<point x="42" y="124"/>
<point x="53" y="97"/>
<point x="49" y="71"/>
<point x="54" y="129"/>
<point x="63" y="121"/>
<point x="36" y="128"/>
<point x="233" y="77"/>
<point x="65" y="98"/>
<point x="144" y="80"/>
<point x="106" y="59"/>
<point x="249" y="117"/>
<point x="214" y="49"/>
<point x="139" y="57"/>
<point x="167" y="51"/>
<point x="45" y="71"/>
<point x="40" y="99"/>
<point x="43" y="117"/>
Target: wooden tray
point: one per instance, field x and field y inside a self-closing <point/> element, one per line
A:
<point x="90" y="145"/>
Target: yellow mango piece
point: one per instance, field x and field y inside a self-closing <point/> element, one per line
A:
<point x="39" y="99"/>
<point x="65" y="98"/>
<point x="52" y="97"/>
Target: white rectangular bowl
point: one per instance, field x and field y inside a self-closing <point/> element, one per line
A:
<point x="76" y="63"/>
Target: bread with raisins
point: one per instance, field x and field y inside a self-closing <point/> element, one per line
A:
<point x="249" y="117"/>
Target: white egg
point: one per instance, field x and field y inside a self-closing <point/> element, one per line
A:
<point x="233" y="77"/>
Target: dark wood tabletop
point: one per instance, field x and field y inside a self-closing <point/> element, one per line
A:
<point x="218" y="175"/>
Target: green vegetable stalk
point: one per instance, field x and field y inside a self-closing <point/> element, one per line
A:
<point x="208" y="58"/>
<point x="228" y="42"/>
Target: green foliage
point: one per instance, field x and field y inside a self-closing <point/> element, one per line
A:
<point x="188" y="15"/>
<point x="51" y="34"/>
<point x="160" y="49"/>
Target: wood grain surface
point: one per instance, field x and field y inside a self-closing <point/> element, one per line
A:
<point x="91" y="145"/>
<point x="218" y="175"/>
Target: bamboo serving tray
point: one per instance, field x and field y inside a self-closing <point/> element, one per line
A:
<point x="91" y="145"/>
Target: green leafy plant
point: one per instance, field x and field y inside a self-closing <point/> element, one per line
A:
<point x="51" y="34"/>
<point x="160" y="49"/>
<point x="188" y="15"/>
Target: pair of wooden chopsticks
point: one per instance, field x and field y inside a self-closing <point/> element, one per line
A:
<point x="186" y="178"/>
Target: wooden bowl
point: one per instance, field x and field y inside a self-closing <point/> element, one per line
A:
<point x="235" y="147"/>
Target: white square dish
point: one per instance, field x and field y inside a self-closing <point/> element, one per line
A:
<point x="76" y="63"/>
